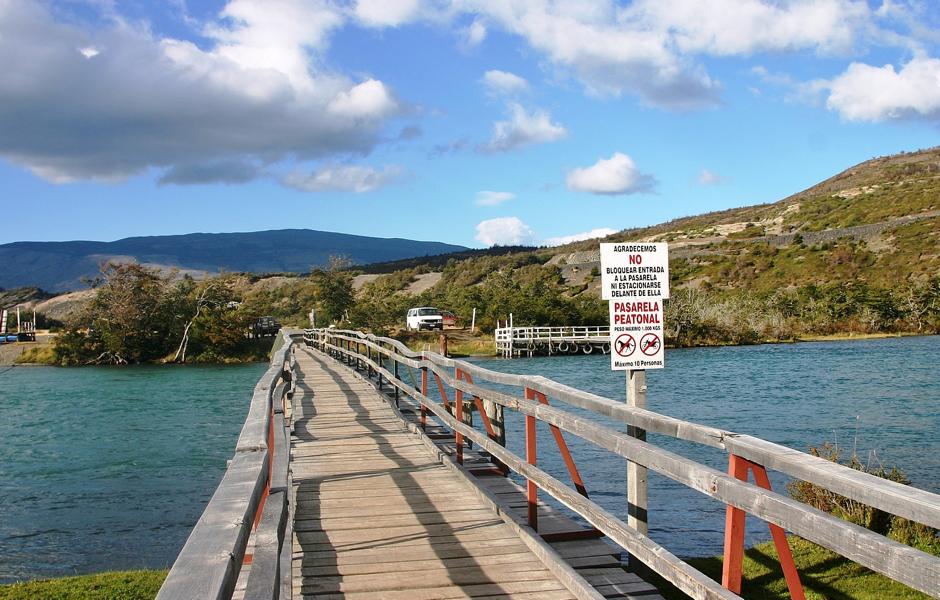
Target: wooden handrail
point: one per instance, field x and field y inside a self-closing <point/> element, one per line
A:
<point x="254" y="489"/>
<point x="907" y="565"/>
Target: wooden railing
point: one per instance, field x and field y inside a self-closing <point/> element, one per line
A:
<point x="384" y="357"/>
<point x="250" y="503"/>
<point x="509" y="334"/>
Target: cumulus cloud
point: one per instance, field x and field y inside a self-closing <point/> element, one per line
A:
<point x="387" y="13"/>
<point x="523" y="129"/>
<point x="504" y="231"/>
<point x="349" y="178"/>
<point x="706" y="177"/>
<point x="474" y="34"/>
<point x="490" y="198"/>
<point x="867" y="93"/>
<point x="611" y="176"/>
<point x="254" y="93"/>
<point x="578" y="237"/>
<point x="504" y="83"/>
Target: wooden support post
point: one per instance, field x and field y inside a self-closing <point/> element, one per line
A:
<point x="732" y="564"/>
<point x="532" y="490"/>
<point x="398" y="378"/>
<point x="637" y="501"/>
<point x="458" y="414"/>
<point x="424" y="392"/>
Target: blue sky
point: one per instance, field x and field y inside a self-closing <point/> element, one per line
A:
<point x="474" y="122"/>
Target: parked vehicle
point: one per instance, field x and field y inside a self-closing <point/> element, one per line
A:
<point x="450" y="319"/>
<point x="264" y="326"/>
<point x="424" y="317"/>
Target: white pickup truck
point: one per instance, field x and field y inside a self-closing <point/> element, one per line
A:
<point x="424" y="317"/>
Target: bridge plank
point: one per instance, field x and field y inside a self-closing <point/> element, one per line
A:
<point x="377" y="515"/>
<point x="365" y="491"/>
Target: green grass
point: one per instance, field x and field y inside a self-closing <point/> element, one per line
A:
<point x="825" y="576"/>
<point x="114" y="585"/>
<point x="37" y="355"/>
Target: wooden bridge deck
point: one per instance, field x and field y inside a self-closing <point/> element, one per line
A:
<point x="377" y="514"/>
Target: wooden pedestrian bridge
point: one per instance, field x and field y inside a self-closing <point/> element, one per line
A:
<point x="367" y="470"/>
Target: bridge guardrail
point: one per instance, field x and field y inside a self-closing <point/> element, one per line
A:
<point x="919" y="570"/>
<point x="252" y="498"/>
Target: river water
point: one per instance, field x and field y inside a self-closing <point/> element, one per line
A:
<point x="109" y="468"/>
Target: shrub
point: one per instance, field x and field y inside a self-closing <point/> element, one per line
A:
<point x="897" y="528"/>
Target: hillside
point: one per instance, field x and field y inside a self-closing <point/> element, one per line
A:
<point x="60" y="266"/>
<point x="857" y="253"/>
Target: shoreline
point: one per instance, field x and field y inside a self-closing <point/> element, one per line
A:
<point x="9" y="353"/>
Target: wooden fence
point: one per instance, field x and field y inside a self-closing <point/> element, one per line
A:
<point x="251" y="502"/>
<point x="384" y="357"/>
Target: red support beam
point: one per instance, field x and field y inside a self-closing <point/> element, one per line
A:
<point x="532" y="491"/>
<point x="565" y="453"/>
<point x="733" y="563"/>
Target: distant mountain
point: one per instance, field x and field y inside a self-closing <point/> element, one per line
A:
<point x="60" y="266"/>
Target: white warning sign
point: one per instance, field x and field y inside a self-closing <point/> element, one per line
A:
<point x="634" y="270"/>
<point x="636" y="334"/>
<point x="635" y="280"/>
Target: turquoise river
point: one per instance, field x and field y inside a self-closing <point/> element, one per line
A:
<point x="109" y="468"/>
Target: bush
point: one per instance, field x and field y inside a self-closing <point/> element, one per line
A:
<point x="897" y="528"/>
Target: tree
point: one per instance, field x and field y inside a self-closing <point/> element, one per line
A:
<point x="334" y="290"/>
<point x="129" y="319"/>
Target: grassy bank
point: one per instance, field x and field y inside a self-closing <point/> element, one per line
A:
<point x="254" y="350"/>
<point x="114" y="585"/>
<point x="825" y="576"/>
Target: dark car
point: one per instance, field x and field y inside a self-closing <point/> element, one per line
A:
<point x="264" y="326"/>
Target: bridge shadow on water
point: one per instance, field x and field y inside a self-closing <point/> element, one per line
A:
<point x="412" y="535"/>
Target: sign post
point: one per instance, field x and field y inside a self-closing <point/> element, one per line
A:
<point x="635" y="281"/>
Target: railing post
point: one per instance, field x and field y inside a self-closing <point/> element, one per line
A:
<point x="378" y="359"/>
<point x="424" y="392"/>
<point x="637" y="474"/>
<point x="397" y="378"/>
<point x="532" y="491"/>
<point x="458" y="414"/>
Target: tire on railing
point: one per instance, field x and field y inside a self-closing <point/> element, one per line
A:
<point x="562" y="347"/>
<point x="605" y="348"/>
<point x="587" y="348"/>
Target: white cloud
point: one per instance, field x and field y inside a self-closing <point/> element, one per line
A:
<point x="615" y="175"/>
<point x="706" y="177"/>
<point x="257" y="92"/>
<point x="743" y="27"/>
<point x="490" y="198"/>
<point x="650" y="48"/>
<point x="578" y="237"/>
<point x="350" y="178"/>
<point x="475" y="34"/>
<point x="369" y="99"/>
<point x="387" y="13"/>
<point x="867" y="93"/>
<point x="504" y="231"/>
<point x="523" y="129"/>
<point x="504" y="83"/>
